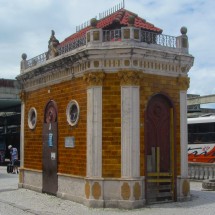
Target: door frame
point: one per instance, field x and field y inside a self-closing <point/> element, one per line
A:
<point x="173" y="151"/>
<point x="50" y="125"/>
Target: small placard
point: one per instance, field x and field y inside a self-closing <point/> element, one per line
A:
<point x="53" y="156"/>
<point x="69" y="142"/>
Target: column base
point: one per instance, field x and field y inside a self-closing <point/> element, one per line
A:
<point x="183" y="189"/>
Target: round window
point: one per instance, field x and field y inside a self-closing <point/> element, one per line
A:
<point x="32" y="118"/>
<point x="72" y="112"/>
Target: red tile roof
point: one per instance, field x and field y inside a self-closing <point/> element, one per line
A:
<point x="121" y="16"/>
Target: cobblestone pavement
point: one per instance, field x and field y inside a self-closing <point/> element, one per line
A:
<point x="14" y="201"/>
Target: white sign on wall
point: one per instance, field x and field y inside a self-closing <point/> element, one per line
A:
<point x="70" y="142"/>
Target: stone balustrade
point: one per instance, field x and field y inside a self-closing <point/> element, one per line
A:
<point x="125" y="34"/>
<point x="201" y="171"/>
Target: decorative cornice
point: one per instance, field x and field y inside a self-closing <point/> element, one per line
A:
<point x="90" y="60"/>
<point x="94" y="78"/>
<point x="183" y="82"/>
<point x="130" y="77"/>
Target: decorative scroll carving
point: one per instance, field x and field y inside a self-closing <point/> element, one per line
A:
<point x="87" y="190"/>
<point x="125" y="191"/>
<point x="96" y="190"/>
<point x="94" y="78"/>
<point x="22" y="95"/>
<point x="137" y="191"/>
<point x="183" y="82"/>
<point x="130" y="77"/>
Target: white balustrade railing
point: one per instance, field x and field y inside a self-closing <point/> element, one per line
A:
<point x="107" y="36"/>
<point x="201" y="171"/>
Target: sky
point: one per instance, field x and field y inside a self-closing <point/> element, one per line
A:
<point x="26" y="28"/>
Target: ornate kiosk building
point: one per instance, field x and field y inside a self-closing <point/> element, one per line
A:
<point x="104" y="115"/>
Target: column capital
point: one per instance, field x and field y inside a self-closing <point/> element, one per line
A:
<point x="94" y="78"/>
<point x="131" y="78"/>
<point x="183" y="82"/>
<point x="22" y="95"/>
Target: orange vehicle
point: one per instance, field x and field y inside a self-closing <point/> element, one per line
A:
<point x="201" y="139"/>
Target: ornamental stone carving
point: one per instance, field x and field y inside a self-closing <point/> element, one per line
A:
<point x="130" y="77"/>
<point x="52" y="47"/>
<point x="125" y="191"/>
<point x="87" y="190"/>
<point x="96" y="190"/>
<point x="94" y="78"/>
<point x="183" y="82"/>
<point x="24" y="63"/>
<point x="185" y="187"/>
<point x="137" y="191"/>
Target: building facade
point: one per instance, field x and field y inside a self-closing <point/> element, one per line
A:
<point x="104" y="115"/>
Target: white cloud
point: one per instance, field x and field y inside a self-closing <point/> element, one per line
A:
<point x="27" y="25"/>
<point x="202" y="80"/>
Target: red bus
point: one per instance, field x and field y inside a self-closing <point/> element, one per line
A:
<point x="201" y="139"/>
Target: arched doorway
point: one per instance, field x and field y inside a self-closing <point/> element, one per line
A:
<point x="50" y="142"/>
<point x="159" y="150"/>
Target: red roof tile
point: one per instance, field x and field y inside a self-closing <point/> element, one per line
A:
<point x="121" y="16"/>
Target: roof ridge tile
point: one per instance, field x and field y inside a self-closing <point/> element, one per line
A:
<point x="121" y="16"/>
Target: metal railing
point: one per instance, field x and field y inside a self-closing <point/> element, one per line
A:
<point x="112" y="35"/>
<point x="72" y="45"/>
<point x="159" y="39"/>
<point x="108" y="36"/>
<point x="37" y="60"/>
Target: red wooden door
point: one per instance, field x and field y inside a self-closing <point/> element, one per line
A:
<point x="158" y="149"/>
<point x="158" y="129"/>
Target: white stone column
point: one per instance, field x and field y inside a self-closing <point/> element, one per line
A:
<point x="130" y="132"/>
<point x="94" y="132"/>
<point x="94" y="81"/>
<point x="22" y="139"/>
<point x="183" y="133"/>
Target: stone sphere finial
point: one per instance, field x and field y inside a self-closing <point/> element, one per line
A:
<point x="93" y="22"/>
<point x="24" y="56"/>
<point x="183" y="30"/>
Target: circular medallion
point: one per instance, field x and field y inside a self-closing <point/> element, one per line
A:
<point x="72" y="112"/>
<point x="32" y="118"/>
